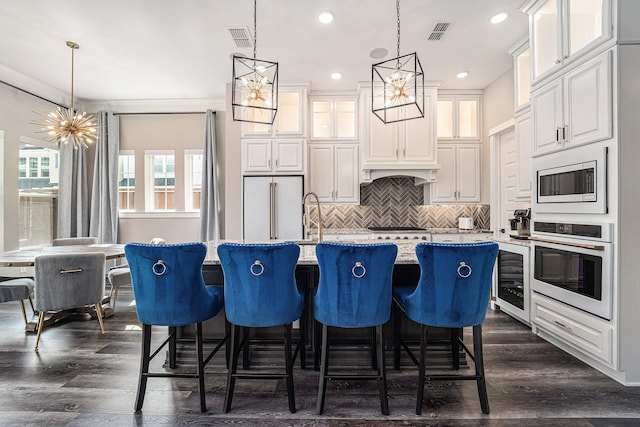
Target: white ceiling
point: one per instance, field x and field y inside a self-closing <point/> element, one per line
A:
<point x="176" y="49"/>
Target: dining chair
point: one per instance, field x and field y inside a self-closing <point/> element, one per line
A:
<point x="19" y="289"/>
<point x="452" y="292"/>
<point x="354" y="291"/>
<point x="68" y="281"/>
<point x="68" y="241"/>
<point x="260" y="291"/>
<point x="169" y="291"/>
<point x="120" y="276"/>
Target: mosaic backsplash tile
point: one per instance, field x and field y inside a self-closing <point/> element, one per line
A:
<point x="397" y="201"/>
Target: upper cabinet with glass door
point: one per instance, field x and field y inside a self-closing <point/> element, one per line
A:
<point x="292" y="102"/>
<point x="459" y="115"/>
<point x="334" y="118"/>
<point x="563" y="30"/>
<point x="522" y="73"/>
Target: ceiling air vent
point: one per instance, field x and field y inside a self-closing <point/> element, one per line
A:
<point x="439" y="30"/>
<point x="240" y="36"/>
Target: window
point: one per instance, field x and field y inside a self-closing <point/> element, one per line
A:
<point x="126" y="181"/>
<point x="160" y="183"/>
<point x="38" y="193"/>
<point x="192" y="179"/>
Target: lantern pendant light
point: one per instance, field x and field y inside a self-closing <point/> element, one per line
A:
<point x="254" y="96"/>
<point x="397" y="85"/>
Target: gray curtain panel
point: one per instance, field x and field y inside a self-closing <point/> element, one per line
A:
<point x="209" y="204"/>
<point x="104" y="194"/>
<point x="73" y="203"/>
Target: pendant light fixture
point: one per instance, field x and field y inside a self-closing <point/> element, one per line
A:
<point x="65" y="125"/>
<point x="397" y="86"/>
<point x="254" y="96"/>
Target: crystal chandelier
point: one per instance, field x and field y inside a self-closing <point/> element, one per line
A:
<point x="397" y="86"/>
<point x="64" y="125"/>
<point x="254" y="95"/>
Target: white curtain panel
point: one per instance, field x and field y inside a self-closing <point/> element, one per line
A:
<point x="209" y="201"/>
<point x="104" y="194"/>
<point x="73" y="203"/>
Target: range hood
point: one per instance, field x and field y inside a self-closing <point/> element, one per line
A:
<point x="421" y="175"/>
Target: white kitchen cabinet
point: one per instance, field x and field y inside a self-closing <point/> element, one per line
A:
<point x="591" y="334"/>
<point x="273" y="156"/>
<point x="446" y="237"/>
<point x="334" y="118"/>
<point x="292" y="107"/>
<point x="524" y="137"/>
<point x="459" y="116"/>
<point x="563" y="30"/>
<point x="333" y="172"/>
<point x="521" y="73"/>
<point x="410" y="142"/>
<point x="459" y="174"/>
<point x="474" y="237"/>
<point x="574" y="109"/>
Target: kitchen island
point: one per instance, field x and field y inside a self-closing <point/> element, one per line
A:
<point x="406" y="272"/>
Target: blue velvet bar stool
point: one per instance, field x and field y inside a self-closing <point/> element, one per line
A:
<point x="260" y="291"/>
<point x="354" y="291"/>
<point x="169" y="291"/>
<point x="453" y="292"/>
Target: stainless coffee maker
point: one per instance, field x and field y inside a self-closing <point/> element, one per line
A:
<point x="520" y="223"/>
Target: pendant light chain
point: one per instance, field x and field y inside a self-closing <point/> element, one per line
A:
<point x="398" y="17"/>
<point x="255" y="28"/>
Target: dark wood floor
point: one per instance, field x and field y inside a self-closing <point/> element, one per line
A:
<point x="81" y="378"/>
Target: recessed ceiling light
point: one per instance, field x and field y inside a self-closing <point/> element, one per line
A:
<point x="325" y="17"/>
<point x="462" y="74"/>
<point x="378" y="53"/>
<point x="498" y="17"/>
<point x="336" y="76"/>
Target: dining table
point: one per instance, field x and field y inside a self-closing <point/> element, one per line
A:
<point x="22" y="258"/>
<point x="27" y="257"/>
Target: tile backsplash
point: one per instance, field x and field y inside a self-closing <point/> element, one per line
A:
<point x="396" y="201"/>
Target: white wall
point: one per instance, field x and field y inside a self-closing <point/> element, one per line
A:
<point x="498" y="108"/>
<point x="177" y="132"/>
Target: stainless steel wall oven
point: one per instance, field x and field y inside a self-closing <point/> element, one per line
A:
<point x="572" y="263"/>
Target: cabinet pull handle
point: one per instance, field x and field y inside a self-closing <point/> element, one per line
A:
<point x="562" y="325"/>
<point x="404" y="152"/>
<point x="564" y="133"/>
<point x="396" y="152"/>
<point x="277" y="163"/>
<point x="269" y="163"/>
<point x="557" y="133"/>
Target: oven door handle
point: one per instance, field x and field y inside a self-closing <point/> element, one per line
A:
<point x="577" y="245"/>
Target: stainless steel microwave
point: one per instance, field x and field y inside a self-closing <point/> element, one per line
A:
<point x="572" y="182"/>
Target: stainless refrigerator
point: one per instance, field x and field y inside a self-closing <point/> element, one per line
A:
<point x="272" y="208"/>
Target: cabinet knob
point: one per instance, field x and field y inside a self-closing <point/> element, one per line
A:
<point x="558" y="61"/>
<point x="565" y="56"/>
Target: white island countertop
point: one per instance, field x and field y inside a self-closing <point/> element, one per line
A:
<point x="406" y="251"/>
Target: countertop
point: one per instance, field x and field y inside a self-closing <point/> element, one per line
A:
<point x="337" y="231"/>
<point x="406" y="251"/>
